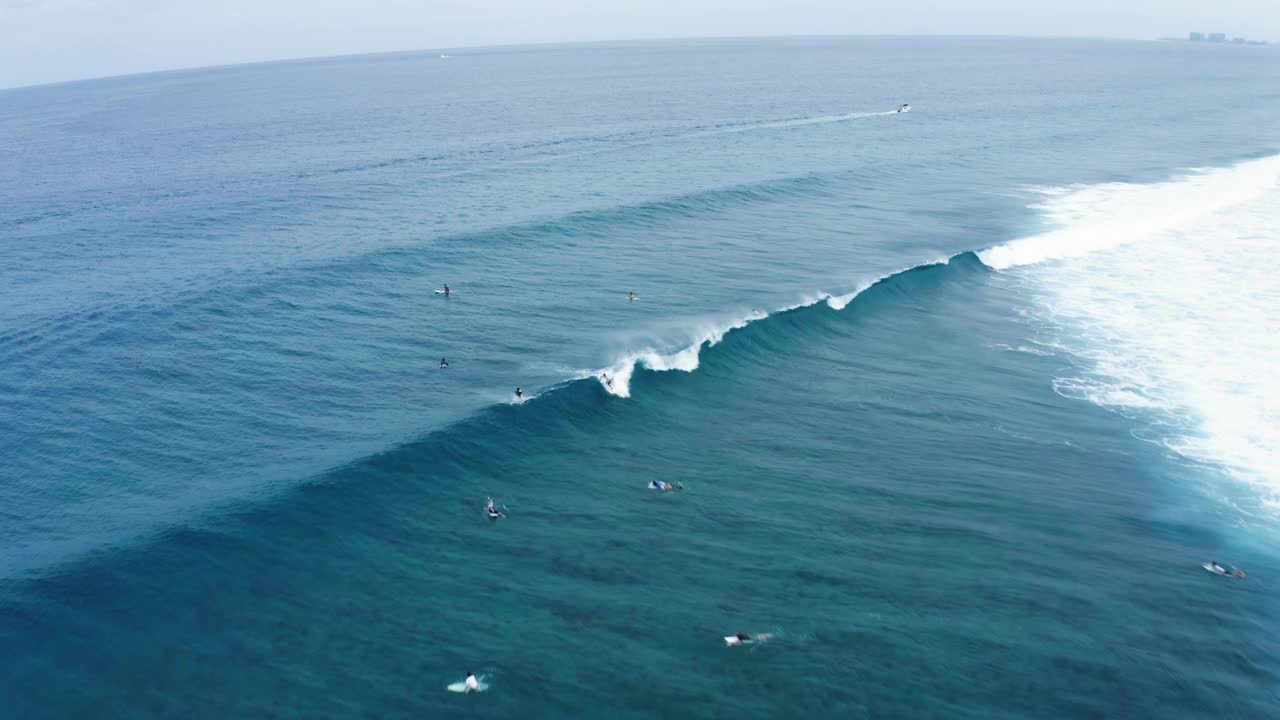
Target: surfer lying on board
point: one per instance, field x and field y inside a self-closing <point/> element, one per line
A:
<point x="663" y="485"/>
<point x="1213" y="565"/>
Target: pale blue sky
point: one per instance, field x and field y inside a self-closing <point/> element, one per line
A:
<point x="52" y="40"/>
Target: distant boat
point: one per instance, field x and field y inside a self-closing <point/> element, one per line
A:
<point x="904" y="107"/>
<point x="442" y="57"/>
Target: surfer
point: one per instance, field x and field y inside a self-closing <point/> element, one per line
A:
<point x="631" y="296"/>
<point x="607" y="382"/>
<point x="443" y="363"/>
<point x="492" y="509"/>
<point x="472" y="683"/>
<point x="446" y="290"/>
<point x="1218" y="568"/>
<point x="519" y="394"/>
<point x="663" y="485"/>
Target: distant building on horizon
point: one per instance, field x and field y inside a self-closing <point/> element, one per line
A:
<point x="1219" y="37"/>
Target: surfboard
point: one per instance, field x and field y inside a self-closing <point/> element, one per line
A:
<point x="732" y="640"/>
<point x="451" y="293"/>
<point x="461" y="686"/>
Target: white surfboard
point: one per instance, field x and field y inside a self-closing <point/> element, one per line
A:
<point x="451" y="293"/>
<point x="732" y="640"/>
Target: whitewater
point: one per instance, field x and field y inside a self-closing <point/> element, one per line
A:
<point x="1167" y="294"/>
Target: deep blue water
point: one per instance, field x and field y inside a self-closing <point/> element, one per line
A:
<point x="955" y="410"/>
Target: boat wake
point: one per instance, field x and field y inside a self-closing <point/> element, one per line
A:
<point x="798" y="122"/>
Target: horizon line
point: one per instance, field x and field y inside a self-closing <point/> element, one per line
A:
<point x="562" y="43"/>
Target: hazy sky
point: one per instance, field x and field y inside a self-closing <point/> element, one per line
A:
<point x="51" y="40"/>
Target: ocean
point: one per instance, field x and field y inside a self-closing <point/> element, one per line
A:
<point x="960" y="399"/>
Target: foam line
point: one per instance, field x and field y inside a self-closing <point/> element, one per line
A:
<point x="686" y="359"/>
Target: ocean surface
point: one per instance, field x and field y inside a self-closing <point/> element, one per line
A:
<point x="960" y="398"/>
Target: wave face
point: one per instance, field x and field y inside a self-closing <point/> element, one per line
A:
<point x="871" y="465"/>
<point x="1167" y="294"/>
<point x="616" y="379"/>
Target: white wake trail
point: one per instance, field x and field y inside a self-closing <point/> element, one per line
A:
<point x="794" y="122"/>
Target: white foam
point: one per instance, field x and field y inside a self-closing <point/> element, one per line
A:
<point x="840" y="302"/>
<point x="685" y="359"/>
<point x="1174" y="313"/>
<point x="1090" y="218"/>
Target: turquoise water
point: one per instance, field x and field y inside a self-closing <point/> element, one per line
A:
<point x="960" y="398"/>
